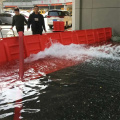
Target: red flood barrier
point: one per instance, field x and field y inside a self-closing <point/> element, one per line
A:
<point x="74" y="38"/>
<point x="3" y="56"/>
<point x="32" y="44"/>
<point x="81" y="36"/>
<point x="101" y="35"/>
<point x="44" y="42"/>
<point x="90" y="36"/>
<point x="67" y="38"/>
<point x="108" y="33"/>
<point x="9" y="47"/>
<point x="55" y="37"/>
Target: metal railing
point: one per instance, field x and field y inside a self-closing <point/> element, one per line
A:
<point x="5" y="34"/>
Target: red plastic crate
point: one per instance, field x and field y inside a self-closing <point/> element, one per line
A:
<point x="58" y="26"/>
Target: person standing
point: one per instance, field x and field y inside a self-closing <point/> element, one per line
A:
<point x="36" y="20"/>
<point x="18" y="21"/>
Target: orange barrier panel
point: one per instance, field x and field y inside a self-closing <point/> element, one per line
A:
<point x="3" y="56"/>
<point x="55" y="37"/>
<point x="108" y="33"/>
<point x="90" y="36"/>
<point x="67" y="38"/>
<point x="32" y="45"/>
<point x="81" y="36"/>
<point x="58" y="26"/>
<point x="12" y="48"/>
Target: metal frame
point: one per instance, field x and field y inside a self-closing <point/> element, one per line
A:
<point x="6" y="28"/>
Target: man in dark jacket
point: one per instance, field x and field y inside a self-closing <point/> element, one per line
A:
<point x="36" y="20"/>
<point x="18" y="20"/>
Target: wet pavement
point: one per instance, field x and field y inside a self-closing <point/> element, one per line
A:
<point x="87" y="91"/>
<point x="83" y="92"/>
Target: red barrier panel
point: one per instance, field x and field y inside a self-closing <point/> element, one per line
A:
<point x="101" y="34"/>
<point x="90" y="36"/>
<point x="12" y="48"/>
<point x="36" y="43"/>
<point x="67" y="38"/>
<point x="81" y="36"/>
<point x="3" y="56"/>
<point x="44" y="42"/>
<point x="108" y="33"/>
<point x="32" y="45"/>
<point x="74" y="38"/>
<point x="56" y="37"/>
<point x="59" y="26"/>
<point x="96" y="36"/>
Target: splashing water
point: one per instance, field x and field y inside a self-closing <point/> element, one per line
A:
<point x="28" y="89"/>
<point x="58" y="51"/>
<point x="77" y="52"/>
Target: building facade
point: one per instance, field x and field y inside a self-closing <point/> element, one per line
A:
<point x="90" y="14"/>
<point x="31" y="3"/>
<point x="87" y="14"/>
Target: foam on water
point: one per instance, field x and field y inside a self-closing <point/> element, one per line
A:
<point x="77" y="52"/>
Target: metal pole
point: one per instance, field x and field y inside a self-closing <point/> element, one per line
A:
<point x="49" y="7"/>
<point x="1" y="34"/>
<point x="7" y="28"/>
<point x="13" y="32"/>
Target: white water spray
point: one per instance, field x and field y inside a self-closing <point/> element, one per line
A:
<point x="77" y="52"/>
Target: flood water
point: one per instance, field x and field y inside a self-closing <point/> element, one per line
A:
<point x="89" y="90"/>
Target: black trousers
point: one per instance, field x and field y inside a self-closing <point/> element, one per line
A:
<point x="20" y="29"/>
<point x="37" y="32"/>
